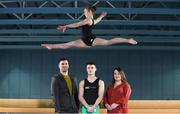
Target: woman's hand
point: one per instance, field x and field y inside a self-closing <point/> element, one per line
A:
<point x="114" y="105"/>
<point x="103" y="14"/>
<point x="108" y="107"/>
<point x="63" y="28"/>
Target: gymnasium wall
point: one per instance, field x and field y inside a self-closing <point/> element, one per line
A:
<point x="153" y="74"/>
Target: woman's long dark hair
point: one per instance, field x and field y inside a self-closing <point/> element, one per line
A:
<point x="121" y="72"/>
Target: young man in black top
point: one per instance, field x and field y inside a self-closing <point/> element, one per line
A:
<point x="91" y="90"/>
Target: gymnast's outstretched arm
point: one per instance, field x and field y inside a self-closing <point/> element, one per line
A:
<point x="74" y="25"/>
<point x="103" y="14"/>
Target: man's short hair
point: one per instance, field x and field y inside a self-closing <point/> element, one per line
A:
<point x="63" y="59"/>
<point x="91" y="63"/>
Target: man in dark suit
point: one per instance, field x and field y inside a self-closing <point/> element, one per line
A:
<point x="64" y="90"/>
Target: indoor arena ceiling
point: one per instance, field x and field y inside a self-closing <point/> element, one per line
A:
<point x="155" y="24"/>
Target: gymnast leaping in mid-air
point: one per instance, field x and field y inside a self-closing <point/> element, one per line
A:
<point x="88" y="39"/>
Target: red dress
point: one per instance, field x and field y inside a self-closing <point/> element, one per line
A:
<point x="118" y="95"/>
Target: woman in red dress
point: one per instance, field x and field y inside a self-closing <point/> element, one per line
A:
<point x="118" y="93"/>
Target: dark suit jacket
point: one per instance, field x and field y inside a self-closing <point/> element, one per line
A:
<point x="64" y="103"/>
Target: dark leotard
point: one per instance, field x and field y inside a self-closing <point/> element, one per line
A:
<point x="87" y="35"/>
